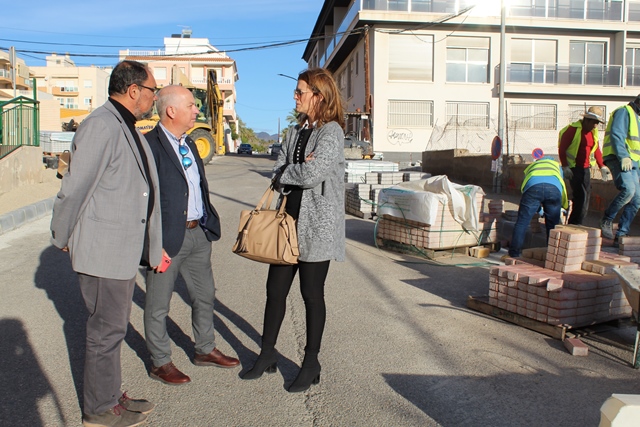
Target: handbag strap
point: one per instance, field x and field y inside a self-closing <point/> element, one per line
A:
<point x="267" y="199"/>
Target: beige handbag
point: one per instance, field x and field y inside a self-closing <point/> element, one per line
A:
<point x="267" y="235"/>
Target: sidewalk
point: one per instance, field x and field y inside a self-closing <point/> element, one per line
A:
<point x="28" y="202"/>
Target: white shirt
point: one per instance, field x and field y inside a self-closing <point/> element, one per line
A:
<point x="195" y="206"/>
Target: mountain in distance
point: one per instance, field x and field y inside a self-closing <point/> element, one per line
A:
<point x="265" y="136"/>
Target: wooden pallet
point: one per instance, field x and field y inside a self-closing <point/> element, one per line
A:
<point x="559" y="332"/>
<point x="429" y="253"/>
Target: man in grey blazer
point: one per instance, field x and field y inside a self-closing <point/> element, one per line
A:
<point x="107" y="216"/>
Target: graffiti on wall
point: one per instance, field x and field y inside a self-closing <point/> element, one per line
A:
<point x="400" y="136"/>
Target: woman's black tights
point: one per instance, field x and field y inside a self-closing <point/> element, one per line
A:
<point x="312" y="277"/>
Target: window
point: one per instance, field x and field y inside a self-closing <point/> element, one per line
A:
<point x="411" y="57"/>
<point x="410" y="114"/>
<point x="87" y="101"/>
<point x="160" y="73"/>
<point x="534" y="116"/>
<point x="533" y="61"/>
<point x="357" y="61"/>
<point x="468" y="59"/>
<point x="88" y="83"/>
<point x="577" y="110"/>
<point x="468" y="114"/>
<point x="349" y="79"/>
<point x="633" y="65"/>
<point x="587" y="63"/>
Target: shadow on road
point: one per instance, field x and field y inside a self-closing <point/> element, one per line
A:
<point x="509" y="399"/>
<point x="55" y="276"/>
<point x="22" y="372"/>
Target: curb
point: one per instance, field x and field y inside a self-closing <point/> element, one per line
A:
<point x="15" y="219"/>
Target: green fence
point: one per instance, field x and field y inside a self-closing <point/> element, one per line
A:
<point x="19" y="124"/>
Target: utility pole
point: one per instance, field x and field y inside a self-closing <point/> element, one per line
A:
<point x="14" y="68"/>
<point x="497" y="187"/>
<point x="367" y="87"/>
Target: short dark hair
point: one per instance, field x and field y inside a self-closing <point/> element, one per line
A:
<point x="125" y="74"/>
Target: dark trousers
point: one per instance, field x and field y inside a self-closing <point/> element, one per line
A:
<point x="109" y="304"/>
<point x="546" y="195"/>
<point x="312" y="277"/>
<point x="581" y="188"/>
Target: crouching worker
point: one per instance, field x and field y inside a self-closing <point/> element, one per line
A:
<point x="543" y="185"/>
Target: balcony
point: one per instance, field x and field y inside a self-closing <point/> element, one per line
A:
<point x="565" y="74"/>
<point x="432" y="6"/>
<point x="580" y="10"/>
<point x="64" y="91"/>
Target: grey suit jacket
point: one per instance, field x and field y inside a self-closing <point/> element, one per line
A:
<point x="100" y="212"/>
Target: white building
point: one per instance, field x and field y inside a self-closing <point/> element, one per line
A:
<point x="75" y="88"/>
<point x="431" y="68"/>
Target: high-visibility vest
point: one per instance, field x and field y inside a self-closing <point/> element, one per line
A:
<point x="572" y="150"/>
<point x="546" y="167"/>
<point x="632" y="139"/>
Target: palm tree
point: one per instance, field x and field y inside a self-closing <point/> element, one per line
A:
<point x="291" y="119"/>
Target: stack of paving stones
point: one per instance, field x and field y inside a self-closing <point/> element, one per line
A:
<point x="496" y="207"/>
<point x="444" y="233"/>
<point x="630" y="246"/>
<point x="576" y="287"/>
<point x="360" y="198"/>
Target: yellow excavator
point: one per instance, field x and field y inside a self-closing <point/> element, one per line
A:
<point x="208" y="132"/>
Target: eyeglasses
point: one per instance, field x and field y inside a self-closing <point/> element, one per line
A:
<point x="299" y="93"/>
<point x="152" y="89"/>
<point x="186" y="161"/>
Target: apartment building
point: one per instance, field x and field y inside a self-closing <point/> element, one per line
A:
<point x="22" y="78"/>
<point x="186" y="60"/>
<point x="78" y="90"/>
<point x="426" y="73"/>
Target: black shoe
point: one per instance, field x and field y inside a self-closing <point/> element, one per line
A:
<point x="309" y="373"/>
<point x="265" y="363"/>
<point x="306" y="377"/>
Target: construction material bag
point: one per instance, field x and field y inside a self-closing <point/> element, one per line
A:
<point x="267" y="235"/>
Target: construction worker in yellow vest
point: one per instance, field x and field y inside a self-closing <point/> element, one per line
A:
<point x="621" y="152"/>
<point x="578" y="151"/>
<point x="543" y="186"/>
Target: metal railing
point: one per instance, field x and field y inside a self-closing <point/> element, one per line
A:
<point x="19" y="124"/>
<point x="564" y="74"/>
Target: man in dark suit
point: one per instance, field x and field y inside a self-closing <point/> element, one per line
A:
<point x="189" y="225"/>
<point x="107" y="215"/>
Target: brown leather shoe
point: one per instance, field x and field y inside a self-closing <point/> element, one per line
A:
<point x="215" y="358"/>
<point x="169" y="374"/>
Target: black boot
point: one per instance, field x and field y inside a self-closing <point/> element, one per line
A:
<point x="266" y="362"/>
<point x="309" y="374"/>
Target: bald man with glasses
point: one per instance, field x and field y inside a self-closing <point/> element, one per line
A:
<point x="189" y="225"/>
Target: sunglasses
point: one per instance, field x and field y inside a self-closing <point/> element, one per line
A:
<point x="299" y="93"/>
<point x="186" y="161"/>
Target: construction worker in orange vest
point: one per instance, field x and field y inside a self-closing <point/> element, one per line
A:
<point x="578" y="149"/>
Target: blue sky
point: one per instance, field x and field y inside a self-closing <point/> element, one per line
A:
<point x="262" y="95"/>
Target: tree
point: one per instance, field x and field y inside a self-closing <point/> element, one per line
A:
<point x="247" y="135"/>
<point x="234" y="132"/>
<point x="291" y="119"/>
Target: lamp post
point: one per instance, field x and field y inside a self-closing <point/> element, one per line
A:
<point x="289" y="77"/>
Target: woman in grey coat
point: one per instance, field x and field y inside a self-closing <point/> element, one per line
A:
<point x="310" y="170"/>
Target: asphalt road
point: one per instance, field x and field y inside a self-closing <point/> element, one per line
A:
<point x="400" y="349"/>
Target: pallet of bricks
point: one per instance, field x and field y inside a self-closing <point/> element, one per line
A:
<point x="569" y="283"/>
<point x="360" y="198"/>
<point x="443" y="233"/>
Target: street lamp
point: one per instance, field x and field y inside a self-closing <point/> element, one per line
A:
<point x="289" y="77"/>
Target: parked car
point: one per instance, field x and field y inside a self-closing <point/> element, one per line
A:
<point x="245" y="149"/>
<point x="275" y="149"/>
